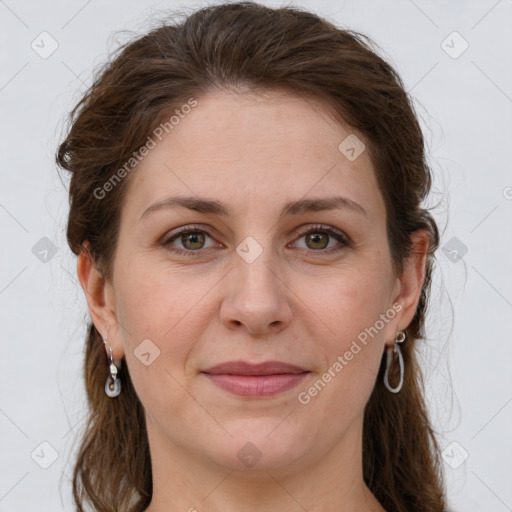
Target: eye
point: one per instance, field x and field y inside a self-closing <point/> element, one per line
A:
<point x="191" y="240"/>
<point x="318" y="238"/>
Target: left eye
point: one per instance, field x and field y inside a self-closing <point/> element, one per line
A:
<point x="319" y="238"/>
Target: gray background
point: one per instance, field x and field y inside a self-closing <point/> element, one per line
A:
<point x="464" y="100"/>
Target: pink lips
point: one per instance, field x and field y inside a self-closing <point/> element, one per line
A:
<point x="255" y="380"/>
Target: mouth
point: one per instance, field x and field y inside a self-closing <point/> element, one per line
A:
<point x="255" y="380"/>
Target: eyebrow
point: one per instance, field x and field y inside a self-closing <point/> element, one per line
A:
<point x="211" y="206"/>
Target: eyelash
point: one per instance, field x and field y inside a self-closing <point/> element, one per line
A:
<point x="318" y="228"/>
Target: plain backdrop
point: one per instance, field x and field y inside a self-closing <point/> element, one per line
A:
<point x="454" y="59"/>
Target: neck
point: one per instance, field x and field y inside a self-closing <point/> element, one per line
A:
<point x="331" y="482"/>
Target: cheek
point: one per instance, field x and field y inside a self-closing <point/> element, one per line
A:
<point x="351" y="356"/>
<point x="150" y="297"/>
<point x="159" y="320"/>
<point x="354" y="319"/>
<point x="166" y="306"/>
<point x="348" y="302"/>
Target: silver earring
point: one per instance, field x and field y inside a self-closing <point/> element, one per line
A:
<point x="112" y="384"/>
<point x="401" y="336"/>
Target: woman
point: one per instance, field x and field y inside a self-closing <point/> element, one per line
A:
<point x="245" y="205"/>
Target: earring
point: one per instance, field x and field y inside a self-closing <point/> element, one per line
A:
<point x="112" y="384"/>
<point x="401" y="336"/>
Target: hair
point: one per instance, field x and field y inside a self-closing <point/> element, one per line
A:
<point x="248" y="46"/>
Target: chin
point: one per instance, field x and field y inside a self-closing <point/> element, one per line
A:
<point x="258" y="445"/>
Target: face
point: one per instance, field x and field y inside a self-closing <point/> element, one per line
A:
<point x="242" y="276"/>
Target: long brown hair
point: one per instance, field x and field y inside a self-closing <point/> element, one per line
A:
<point x="236" y="46"/>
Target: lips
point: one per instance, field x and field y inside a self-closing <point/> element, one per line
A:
<point x="244" y="368"/>
<point x="255" y="380"/>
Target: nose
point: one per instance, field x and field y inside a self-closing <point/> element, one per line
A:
<point x="256" y="297"/>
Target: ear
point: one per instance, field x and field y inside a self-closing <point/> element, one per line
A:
<point x="410" y="282"/>
<point x="100" y="298"/>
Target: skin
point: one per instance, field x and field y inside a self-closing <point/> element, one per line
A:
<point x="295" y="303"/>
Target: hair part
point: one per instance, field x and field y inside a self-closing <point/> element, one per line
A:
<point x="239" y="47"/>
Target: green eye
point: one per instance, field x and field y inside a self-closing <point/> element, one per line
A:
<point x="196" y="239"/>
<point x="316" y="239"/>
<point x="192" y="240"/>
<point x="319" y="240"/>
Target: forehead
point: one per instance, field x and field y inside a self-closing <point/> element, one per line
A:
<point x="265" y="148"/>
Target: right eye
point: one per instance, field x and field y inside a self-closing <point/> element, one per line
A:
<point x="192" y="240"/>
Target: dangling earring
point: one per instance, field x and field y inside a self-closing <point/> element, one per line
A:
<point x="113" y="384"/>
<point x="401" y="336"/>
